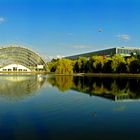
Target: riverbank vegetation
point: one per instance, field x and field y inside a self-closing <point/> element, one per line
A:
<point x="96" y="64"/>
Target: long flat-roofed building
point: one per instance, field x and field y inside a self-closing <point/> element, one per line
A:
<point x="124" y="51"/>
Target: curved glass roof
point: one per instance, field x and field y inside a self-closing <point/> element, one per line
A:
<point x="20" y="55"/>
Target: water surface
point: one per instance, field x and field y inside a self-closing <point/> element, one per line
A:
<point x="43" y="107"/>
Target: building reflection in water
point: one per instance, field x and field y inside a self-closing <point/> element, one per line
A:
<point x="117" y="89"/>
<point x="17" y="87"/>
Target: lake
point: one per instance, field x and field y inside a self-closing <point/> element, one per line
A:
<point x="47" y="107"/>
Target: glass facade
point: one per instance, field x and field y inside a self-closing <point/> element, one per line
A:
<point x="128" y="51"/>
<point x="19" y="55"/>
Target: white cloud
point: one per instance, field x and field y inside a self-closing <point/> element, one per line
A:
<point x="124" y="37"/>
<point x="2" y="20"/>
<point x="81" y="46"/>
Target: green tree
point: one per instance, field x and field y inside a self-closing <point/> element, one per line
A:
<point x="121" y="68"/>
<point x="76" y="67"/>
<point x="80" y="65"/>
<point x="89" y="65"/>
<point x="98" y="63"/>
<point x="128" y="62"/>
<point x="117" y="62"/>
<point x="83" y="61"/>
<point x="107" y="66"/>
<point x="52" y="66"/>
<point x="134" y="66"/>
<point x="64" y="66"/>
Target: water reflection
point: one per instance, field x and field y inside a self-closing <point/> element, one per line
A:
<point x="63" y="83"/>
<point x="15" y="87"/>
<point x="118" y="89"/>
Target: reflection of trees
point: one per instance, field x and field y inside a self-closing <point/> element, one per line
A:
<point x="63" y="83"/>
<point x="18" y="87"/>
<point x="121" y="83"/>
<point x="118" y="88"/>
<point x="134" y="88"/>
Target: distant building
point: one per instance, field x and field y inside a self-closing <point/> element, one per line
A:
<point x="124" y="51"/>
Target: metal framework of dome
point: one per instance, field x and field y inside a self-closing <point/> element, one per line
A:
<point x="20" y="55"/>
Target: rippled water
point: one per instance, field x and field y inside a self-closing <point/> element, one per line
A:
<point x="42" y="107"/>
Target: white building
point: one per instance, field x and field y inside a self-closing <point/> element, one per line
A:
<point x="15" y="67"/>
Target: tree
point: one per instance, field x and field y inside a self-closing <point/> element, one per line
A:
<point x="134" y="66"/>
<point x="98" y="63"/>
<point x="121" y="68"/>
<point x="117" y="61"/>
<point x="83" y="61"/>
<point x="107" y="67"/>
<point x="80" y="65"/>
<point x="52" y="66"/>
<point x="128" y="62"/>
<point x="64" y="66"/>
<point x="89" y="65"/>
<point x="76" y="67"/>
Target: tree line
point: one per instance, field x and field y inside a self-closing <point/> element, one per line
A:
<point x="96" y="64"/>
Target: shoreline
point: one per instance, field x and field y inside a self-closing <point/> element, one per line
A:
<point x="113" y="75"/>
<point x="23" y="72"/>
<point x="110" y="75"/>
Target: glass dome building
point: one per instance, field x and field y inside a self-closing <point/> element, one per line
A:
<point x="16" y="58"/>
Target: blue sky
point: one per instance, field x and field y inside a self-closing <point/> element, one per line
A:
<point x="67" y="27"/>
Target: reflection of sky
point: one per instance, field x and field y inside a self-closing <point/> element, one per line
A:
<point x="53" y="114"/>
